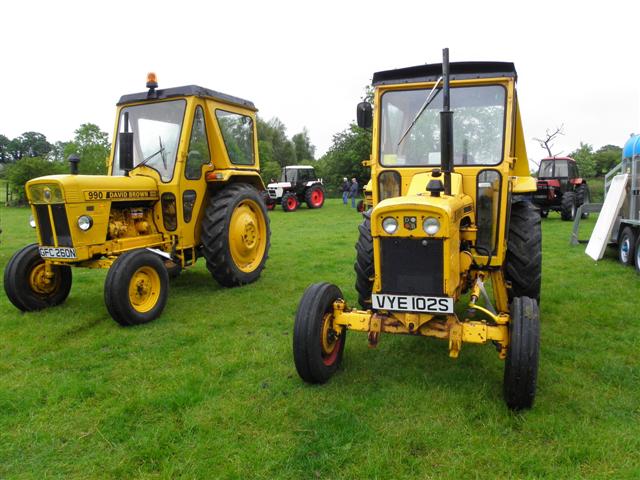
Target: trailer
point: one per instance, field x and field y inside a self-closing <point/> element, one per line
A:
<point x="619" y="220"/>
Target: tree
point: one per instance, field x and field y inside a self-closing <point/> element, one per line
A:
<point x="583" y="156"/>
<point x="344" y="158"/>
<point x="304" y="149"/>
<point x="29" y="144"/>
<point x="18" y="173"/>
<point x="91" y="145"/>
<point x="606" y="158"/>
<point x="550" y="136"/>
<point x="4" y="149"/>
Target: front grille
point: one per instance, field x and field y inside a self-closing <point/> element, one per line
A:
<point x="60" y="222"/>
<point x="410" y="267"/>
<point x="44" y="225"/>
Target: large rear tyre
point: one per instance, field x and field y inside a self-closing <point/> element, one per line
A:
<point x="521" y="365"/>
<point x="317" y="345"/>
<point x="523" y="262"/>
<point x="27" y="285"/>
<point x="627" y="246"/>
<point x="568" y="206"/>
<point x="236" y="235"/>
<point x="314" y="196"/>
<point x="364" y="262"/>
<point x="290" y="202"/>
<point x="136" y="287"/>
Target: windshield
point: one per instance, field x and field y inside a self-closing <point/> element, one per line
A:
<point x="156" y="135"/>
<point x="478" y="126"/>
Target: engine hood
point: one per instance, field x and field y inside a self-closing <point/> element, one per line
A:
<point x="81" y="188"/>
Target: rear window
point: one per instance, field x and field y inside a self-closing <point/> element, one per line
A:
<point x="237" y="133"/>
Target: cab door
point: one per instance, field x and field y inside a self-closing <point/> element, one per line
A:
<point x="192" y="186"/>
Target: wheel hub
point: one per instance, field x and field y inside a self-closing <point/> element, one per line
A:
<point x="247" y="237"/>
<point x="40" y="282"/>
<point x="144" y="289"/>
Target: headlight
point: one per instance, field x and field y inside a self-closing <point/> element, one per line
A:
<point x="32" y="221"/>
<point x="46" y="193"/>
<point x="390" y="225"/>
<point x="85" y="222"/>
<point x="431" y="226"/>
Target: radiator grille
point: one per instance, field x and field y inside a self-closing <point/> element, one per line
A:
<point x="61" y="224"/>
<point x="410" y="267"/>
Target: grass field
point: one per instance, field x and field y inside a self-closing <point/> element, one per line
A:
<point x="210" y="390"/>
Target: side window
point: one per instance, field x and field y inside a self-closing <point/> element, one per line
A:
<point x="237" y="133"/>
<point x="198" y="147"/>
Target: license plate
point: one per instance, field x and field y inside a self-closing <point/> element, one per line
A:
<point x="412" y="303"/>
<point x="57" y="252"/>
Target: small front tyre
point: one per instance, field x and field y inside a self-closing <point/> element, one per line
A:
<point x="136" y="287"/>
<point x="28" y="285"/>
<point x="317" y="345"/>
<point x="627" y="246"/>
<point x="290" y="202"/>
<point x="568" y="206"/>
<point x="521" y="365"/>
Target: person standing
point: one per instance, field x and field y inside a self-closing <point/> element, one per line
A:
<point x="345" y="190"/>
<point x="353" y="191"/>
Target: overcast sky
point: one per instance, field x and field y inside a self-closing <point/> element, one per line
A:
<point x="66" y="63"/>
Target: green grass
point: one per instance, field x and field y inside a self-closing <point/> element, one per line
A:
<point x="209" y="390"/>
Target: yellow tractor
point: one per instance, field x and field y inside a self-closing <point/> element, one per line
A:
<point x="451" y="189"/>
<point x="182" y="183"/>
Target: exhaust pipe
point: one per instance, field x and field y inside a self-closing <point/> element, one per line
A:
<point x="446" y="126"/>
<point x="74" y="160"/>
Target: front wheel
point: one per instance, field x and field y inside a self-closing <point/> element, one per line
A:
<point x="136" y="287"/>
<point x="627" y="246"/>
<point x="523" y="261"/>
<point x="289" y="202"/>
<point x="235" y="235"/>
<point x="521" y="365"/>
<point x="317" y="344"/>
<point x="29" y="286"/>
<point x="364" y="262"/>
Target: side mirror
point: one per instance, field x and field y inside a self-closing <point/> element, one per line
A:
<point x="125" y="151"/>
<point x="364" y="115"/>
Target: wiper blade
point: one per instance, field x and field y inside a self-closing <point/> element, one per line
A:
<point x="161" y="152"/>
<point x="426" y="103"/>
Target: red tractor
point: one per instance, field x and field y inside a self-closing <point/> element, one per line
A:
<point x="560" y="188"/>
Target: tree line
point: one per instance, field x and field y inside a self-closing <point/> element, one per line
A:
<point x="31" y="155"/>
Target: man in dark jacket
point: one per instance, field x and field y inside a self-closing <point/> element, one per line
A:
<point x="345" y="190"/>
<point x="353" y="191"/>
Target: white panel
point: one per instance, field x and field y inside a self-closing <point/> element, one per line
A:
<point x="607" y="218"/>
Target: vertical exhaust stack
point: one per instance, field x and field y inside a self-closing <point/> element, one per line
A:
<point x="446" y="126"/>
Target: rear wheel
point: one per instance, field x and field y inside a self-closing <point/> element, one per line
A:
<point x="235" y="235"/>
<point x="317" y="345"/>
<point x="364" y="262"/>
<point x="627" y="246"/>
<point x="136" y="287"/>
<point x="583" y="196"/>
<point x="523" y="262"/>
<point x="521" y="365"/>
<point x="568" y="206"/>
<point x="637" y="255"/>
<point x="314" y="196"/>
<point x="289" y="202"/>
<point x="27" y="284"/>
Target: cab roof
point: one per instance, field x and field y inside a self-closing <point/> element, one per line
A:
<point x="186" y="91"/>
<point x="457" y="71"/>
<point x="557" y="158"/>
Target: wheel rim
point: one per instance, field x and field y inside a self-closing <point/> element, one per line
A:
<point x="625" y="246"/>
<point x="247" y="235"/>
<point x="638" y="259"/>
<point x="316" y="197"/>
<point x="291" y="203"/>
<point x="573" y="211"/>
<point x="39" y="283"/>
<point x="144" y="289"/>
<point x="330" y="342"/>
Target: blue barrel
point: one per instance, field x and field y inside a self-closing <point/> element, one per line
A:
<point x="632" y="147"/>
